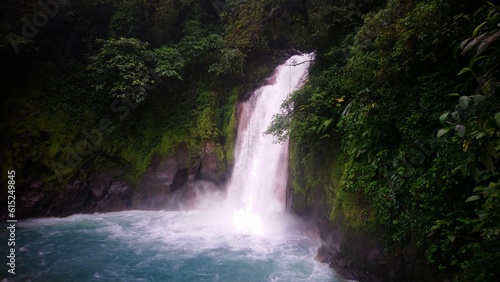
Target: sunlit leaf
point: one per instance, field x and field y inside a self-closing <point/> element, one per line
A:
<point x="464" y="43"/>
<point x="486" y="88"/>
<point x="464" y="70"/>
<point x="473" y="198"/>
<point x="460" y="129"/>
<point x="443" y="131"/>
<point x="443" y="118"/>
<point x="465" y="145"/>
<point x="464" y="102"/>
<point x="477" y="29"/>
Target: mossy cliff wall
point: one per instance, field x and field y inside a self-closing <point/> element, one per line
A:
<point x="354" y="246"/>
<point x="100" y="165"/>
<point x="100" y="156"/>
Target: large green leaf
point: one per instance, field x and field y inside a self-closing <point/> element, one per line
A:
<point x="460" y="129"/>
<point x="443" y="131"/>
<point x="477" y="29"/>
<point x="473" y="198"/>
<point x="464" y="70"/>
<point x="463" y="102"/>
<point x="443" y="118"/>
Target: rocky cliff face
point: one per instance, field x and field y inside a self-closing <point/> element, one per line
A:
<point x="363" y="255"/>
<point x="356" y="252"/>
<point x="173" y="182"/>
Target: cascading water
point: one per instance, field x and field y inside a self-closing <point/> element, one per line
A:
<point x="257" y="189"/>
<point x="237" y="241"/>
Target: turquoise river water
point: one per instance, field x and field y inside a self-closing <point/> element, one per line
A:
<point x="161" y="246"/>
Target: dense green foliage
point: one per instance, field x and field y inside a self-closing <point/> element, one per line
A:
<point x="138" y="76"/>
<point x="121" y="67"/>
<point x="381" y="93"/>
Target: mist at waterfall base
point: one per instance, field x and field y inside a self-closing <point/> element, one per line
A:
<point x="241" y="235"/>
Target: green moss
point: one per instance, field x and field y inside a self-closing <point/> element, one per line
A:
<point x="205" y="126"/>
<point x="137" y="159"/>
<point x="205" y="112"/>
<point x="346" y="206"/>
<point x="229" y="146"/>
<point x="149" y="136"/>
<point x="169" y="144"/>
<point x="230" y="130"/>
<point x="304" y="177"/>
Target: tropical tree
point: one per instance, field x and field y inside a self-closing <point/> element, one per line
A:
<point x="126" y="67"/>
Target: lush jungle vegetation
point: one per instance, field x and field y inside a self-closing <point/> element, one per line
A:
<point x="133" y="78"/>
<point x="407" y="104"/>
<point x="400" y="116"/>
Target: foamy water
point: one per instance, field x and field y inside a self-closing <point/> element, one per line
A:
<point x="161" y="246"/>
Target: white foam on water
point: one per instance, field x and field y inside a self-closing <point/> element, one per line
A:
<point x="121" y="244"/>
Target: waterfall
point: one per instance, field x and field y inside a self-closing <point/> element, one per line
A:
<point x="257" y="189"/>
<point x="249" y="238"/>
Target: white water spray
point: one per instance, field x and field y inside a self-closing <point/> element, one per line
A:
<point x="257" y="189"/>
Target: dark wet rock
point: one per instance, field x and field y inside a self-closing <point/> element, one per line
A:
<point x="209" y="163"/>
<point x="119" y="188"/>
<point x="151" y="197"/>
<point x="207" y="176"/>
<point x="139" y="200"/>
<point x="181" y="157"/>
<point x="322" y="254"/>
<point x="29" y="200"/>
<point x="155" y="185"/>
<point x="98" y="189"/>
<point x="180" y="179"/>
<point x="117" y="198"/>
<point x="171" y="182"/>
<point x="365" y="256"/>
<point x="99" y="183"/>
<point x="110" y="204"/>
<point x="166" y="170"/>
<point x="35" y="185"/>
<point x="70" y="199"/>
<point x="189" y="198"/>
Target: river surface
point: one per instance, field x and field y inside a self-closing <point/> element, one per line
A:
<point x="161" y="246"/>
